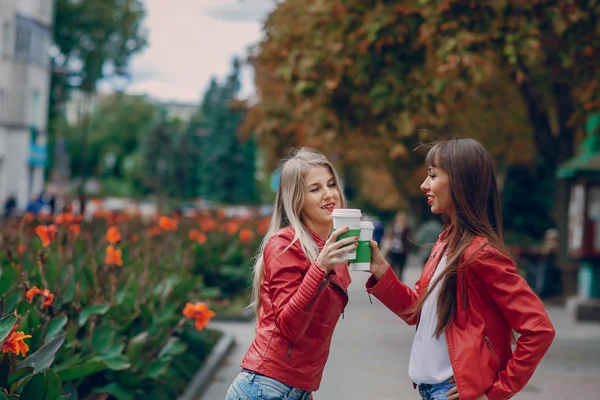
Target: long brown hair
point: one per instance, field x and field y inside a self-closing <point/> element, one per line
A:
<point x="476" y="199"/>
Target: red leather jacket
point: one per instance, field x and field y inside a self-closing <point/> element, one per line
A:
<point x="301" y="304"/>
<point x="492" y="299"/>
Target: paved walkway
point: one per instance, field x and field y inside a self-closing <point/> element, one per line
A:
<point x="371" y="347"/>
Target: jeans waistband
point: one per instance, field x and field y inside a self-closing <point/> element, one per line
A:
<point x="298" y="393"/>
<point x="430" y="385"/>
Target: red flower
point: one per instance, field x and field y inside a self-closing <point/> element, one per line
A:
<point x="200" y="313"/>
<point x="113" y="256"/>
<point x="46" y="233"/>
<point x="246" y="235"/>
<point x="113" y="236"/>
<point x="168" y="224"/>
<point x="15" y="343"/>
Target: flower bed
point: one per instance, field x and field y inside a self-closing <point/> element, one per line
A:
<point x="103" y="306"/>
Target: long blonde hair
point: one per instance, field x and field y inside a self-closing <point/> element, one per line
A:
<point x="290" y="198"/>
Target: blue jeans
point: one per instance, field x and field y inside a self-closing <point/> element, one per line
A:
<point x="436" y="391"/>
<point x="251" y="386"/>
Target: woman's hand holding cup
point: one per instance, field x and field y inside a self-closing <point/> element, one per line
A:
<point x="333" y="253"/>
<point x="378" y="264"/>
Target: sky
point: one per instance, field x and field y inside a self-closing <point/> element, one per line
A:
<point x="192" y="40"/>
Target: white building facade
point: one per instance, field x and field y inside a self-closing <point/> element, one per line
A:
<point x="25" y="39"/>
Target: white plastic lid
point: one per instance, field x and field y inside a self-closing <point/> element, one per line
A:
<point x="367" y="225"/>
<point x="347" y="212"/>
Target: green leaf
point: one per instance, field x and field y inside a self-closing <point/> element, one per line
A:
<point x="157" y="368"/>
<point x="115" y="390"/>
<point x="70" y="292"/>
<point x="8" y="278"/>
<point x="173" y="347"/>
<point x="94" y="365"/>
<point x="80" y="371"/>
<point x="6" y="324"/>
<point x="44" y="356"/>
<point x="211" y="292"/>
<point x="114" y="362"/>
<point x="136" y="347"/>
<point x="102" y="339"/>
<point x="55" y="326"/>
<point x="53" y="385"/>
<point x="43" y="386"/>
<point x="87" y="312"/>
<point x="35" y="389"/>
<point x="4" y="370"/>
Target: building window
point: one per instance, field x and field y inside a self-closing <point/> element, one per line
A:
<point x="6" y="39"/>
<point x="22" y="43"/>
<point x="35" y="109"/>
<point x="32" y="41"/>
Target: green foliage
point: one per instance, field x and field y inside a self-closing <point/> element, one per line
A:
<point x="114" y="133"/>
<point x="96" y="33"/>
<point x="114" y="329"/>
<point x="227" y="163"/>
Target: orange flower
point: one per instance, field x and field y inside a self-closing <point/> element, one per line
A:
<point x="48" y="298"/>
<point x="231" y="227"/>
<point x="246" y="235"/>
<point x="64" y="218"/>
<point x="208" y="225"/>
<point x="34" y="291"/>
<point x="21" y="248"/>
<point x="31" y="293"/>
<point x="113" y="236"/>
<point x="153" y="231"/>
<point x="135" y="238"/>
<point x="200" y="313"/>
<point x="197" y="236"/>
<point x="263" y="226"/>
<point x="168" y="224"/>
<point x="46" y="233"/>
<point x="15" y="343"/>
<point x="113" y="256"/>
<point x="74" y="229"/>
<point x="221" y="214"/>
<point x="28" y="217"/>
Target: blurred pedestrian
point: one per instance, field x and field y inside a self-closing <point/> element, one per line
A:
<point x="426" y="236"/>
<point x="395" y="243"/>
<point x="470" y="297"/>
<point x="300" y="284"/>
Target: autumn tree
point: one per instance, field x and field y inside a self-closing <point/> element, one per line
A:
<point x="336" y="73"/>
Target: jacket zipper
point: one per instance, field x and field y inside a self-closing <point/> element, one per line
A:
<point x="314" y="298"/>
<point x="491" y="348"/>
<point x="289" y="355"/>
<point x="334" y="283"/>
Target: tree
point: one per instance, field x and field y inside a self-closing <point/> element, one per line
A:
<point x="327" y="72"/>
<point x="95" y="39"/>
<point x="116" y="132"/>
<point x="227" y="162"/>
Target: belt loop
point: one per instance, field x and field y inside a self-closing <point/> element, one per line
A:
<point x="249" y="376"/>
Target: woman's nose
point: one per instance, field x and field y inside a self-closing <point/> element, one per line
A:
<point x="424" y="186"/>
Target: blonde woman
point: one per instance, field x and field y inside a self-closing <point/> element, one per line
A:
<point x="300" y="284"/>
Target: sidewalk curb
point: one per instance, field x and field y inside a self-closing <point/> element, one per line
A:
<point x="203" y="376"/>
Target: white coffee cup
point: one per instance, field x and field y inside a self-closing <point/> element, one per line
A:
<point x="347" y="217"/>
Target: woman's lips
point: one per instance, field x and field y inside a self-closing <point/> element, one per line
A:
<point x="429" y="200"/>
<point x="329" y="207"/>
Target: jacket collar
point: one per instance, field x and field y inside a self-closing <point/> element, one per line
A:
<point x="319" y="241"/>
<point x="444" y="235"/>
